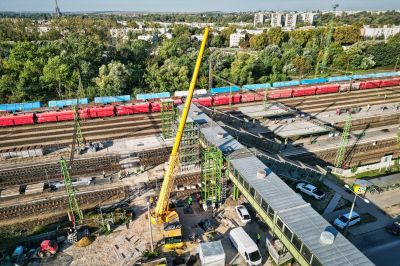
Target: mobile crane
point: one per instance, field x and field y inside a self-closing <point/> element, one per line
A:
<point x="162" y="214"/>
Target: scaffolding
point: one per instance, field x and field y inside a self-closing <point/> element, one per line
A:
<point x="189" y="150"/>
<point x="343" y="144"/>
<point x="168" y="116"/>
<point x="74" y="211"/>
<point x="212" y="182"/>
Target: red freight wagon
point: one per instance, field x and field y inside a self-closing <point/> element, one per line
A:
<point x="277" y="94"/>
<point x="65" y="115"/>
<point x="327" y="89"/>
<point x="6" y="121"/>
<point x="205" y="101"/>
<point x="26" y="119"/>
<point x="156" y="107"/>
<point x="222" y="100"/>
<point x="125" y="110"/>
<point x="304" y="91"/>
<point x="236" y="98"/>
<point x="390" y="82"/>
<point x="370" y="84"/>
<point x="105" y="111"/>
<point x="259" y="96"/>
<point x="247" y="97"/>
<point x="46" y="117"/>
<point x="141" y="108"/>
<point x="177" y="100"/>
<point x="84" y="113"/>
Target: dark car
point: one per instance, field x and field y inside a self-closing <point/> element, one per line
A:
<point x="394" y="228"/>
<point x="208" y="225"/>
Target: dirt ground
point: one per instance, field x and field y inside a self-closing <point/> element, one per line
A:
<point x="388" y="201"/>
<point x="124" y="246"/>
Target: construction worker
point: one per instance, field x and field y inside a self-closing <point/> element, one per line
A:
<point x="258" y="238"/>
<point x="190" y="200"/>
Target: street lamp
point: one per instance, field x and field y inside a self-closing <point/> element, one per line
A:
<point x="352" y="207"/>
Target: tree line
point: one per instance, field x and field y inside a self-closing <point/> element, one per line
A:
<point x="78" y="58"/>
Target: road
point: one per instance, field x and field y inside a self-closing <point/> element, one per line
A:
<point x="385" y="254"/>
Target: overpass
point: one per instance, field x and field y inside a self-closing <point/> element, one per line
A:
<point x="288" y="216"/>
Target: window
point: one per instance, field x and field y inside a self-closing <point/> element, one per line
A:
<point x="252" y="191"/>
<point x="257" y="198"/>
<point x="306" y="253"/>
<point x="246" y="185"/>
<point x="296" y="242"/>
<point x="240" y="179"/>
<point x="288" y="233"/>
<point x="264" y="205"/>
<point x="279" y="223"/>
<point x="315" y="262"/>
<point x="271" y="213"/>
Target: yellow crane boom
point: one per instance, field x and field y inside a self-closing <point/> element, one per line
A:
<point x="161" y="213"/>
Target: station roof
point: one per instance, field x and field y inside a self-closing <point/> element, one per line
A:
<point x="198" y="116"/>
<point x="218" y="137"/>
<point x="308" y="225"/>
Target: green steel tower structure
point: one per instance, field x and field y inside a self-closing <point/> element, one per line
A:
<point x="343" y="144"/>
<point x="168" y="116"/>
<point x="189" y="150"/>
<point x="74" y="211"/>
<point x="211" y="175"/>
<point x="78" y="131"/>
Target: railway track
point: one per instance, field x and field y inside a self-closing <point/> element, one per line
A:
<point x="60" y="134"/>
<point x="36" y="173"/>
<point x="55" y="203"/>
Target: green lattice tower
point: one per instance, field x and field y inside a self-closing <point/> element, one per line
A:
<point x="168" y="116"/>
<point x="189" y="150"/>
<point x="343" y="144"/>
<point x="79" y="135"/>
<point x="211" y="174"/>
<point x="75" y="212"/>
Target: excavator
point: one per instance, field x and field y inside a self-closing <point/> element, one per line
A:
<point x="163" y="214"/>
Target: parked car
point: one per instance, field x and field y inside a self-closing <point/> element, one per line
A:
<point x="208" y="225"/>
<point x="243" y="214"/>
<point x="310" y="190"/>
<point x="342" y="220"/>
<point x="394" y="228"/>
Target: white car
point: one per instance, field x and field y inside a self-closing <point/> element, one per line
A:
<point x="342" y="220"/>
<point x="310" y="190"/>
<point x="243" y="214"/>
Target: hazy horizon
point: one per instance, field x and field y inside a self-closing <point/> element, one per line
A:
<point x="194" y="6"/>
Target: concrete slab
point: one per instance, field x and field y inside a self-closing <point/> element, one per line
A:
<point x="294" y="127"/>
<point x="34" y="188"/>
<point x="258" y="111"/>
<point x="366" y="112"/>
<point x="10" y="192"/>
<point x="333" y="203"/>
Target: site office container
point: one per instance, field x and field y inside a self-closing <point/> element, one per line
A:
<point x="25" y="119"/>
<point x="277" y="94"/>
<point x="371" y="84"/>
<point x="247" y="97"/>
<point x="390" y="82"/>
<point x="106" y="111"/>
<point x="205" y="101"/>
<point x="307" y="91"/>
<point x="327" y="89"/>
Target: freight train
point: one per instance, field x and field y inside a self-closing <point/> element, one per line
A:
<point x="34" y="113"/>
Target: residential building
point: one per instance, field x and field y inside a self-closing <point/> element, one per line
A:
<point x="259" y="18"/>
<point x="308" y="18"/>
<point x="290" y="20"/>
<point x="234" y="39"/>
<point x="384" y="31"/>
<point x="276" y="20"/>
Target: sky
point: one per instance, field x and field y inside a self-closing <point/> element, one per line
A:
<point x="194" y="5"/>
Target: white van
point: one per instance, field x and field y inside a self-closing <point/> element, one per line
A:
<point x="245" y="246"/>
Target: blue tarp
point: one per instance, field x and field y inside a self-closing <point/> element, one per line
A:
<point x="68" y="102"/>
<point x="338" y="78"/>
<point x="251" y="87"/>
<point x="313" y="81"/>
<point x="285" y="83"/>
<point x="224" y="90"/>
<point x="12" y="107"/>
<point x="147" y="96"/>
<point x="112" y="99"/>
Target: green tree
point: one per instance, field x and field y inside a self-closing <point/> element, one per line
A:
<point x="113" y="79"/>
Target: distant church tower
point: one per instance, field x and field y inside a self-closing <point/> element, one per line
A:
<point x="58" y="12"/>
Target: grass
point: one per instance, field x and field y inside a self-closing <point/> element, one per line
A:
<point x="377" y="173"/>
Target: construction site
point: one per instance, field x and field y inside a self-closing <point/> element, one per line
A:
<point x="163" y="188"/>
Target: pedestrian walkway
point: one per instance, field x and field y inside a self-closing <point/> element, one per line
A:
<point x="333" y="203"/>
